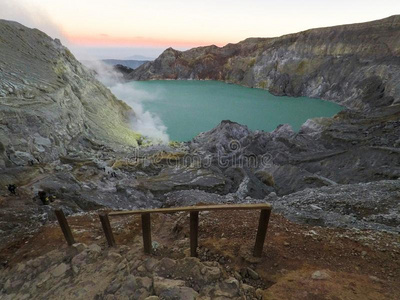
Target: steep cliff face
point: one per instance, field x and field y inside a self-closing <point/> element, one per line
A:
<point x="50" y="102"/>
<point x="355" y="65"/>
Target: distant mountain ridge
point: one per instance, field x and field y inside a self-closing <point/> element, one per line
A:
<point x="355" y="65"/>
<point x="133" y="64"/>
<point x="139" y="57"/>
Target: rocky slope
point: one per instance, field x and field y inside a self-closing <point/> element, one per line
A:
<point x="64" y="133"/>
<point x="354" y="65"/>
<point x="133" y="64"/>
<point x="50" y="103"/>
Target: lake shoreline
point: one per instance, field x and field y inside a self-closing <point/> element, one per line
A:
<point x="181" y="101"/>
<point x="242" y="85"/>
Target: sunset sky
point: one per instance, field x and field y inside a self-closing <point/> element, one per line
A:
<point x="122" y="28"/>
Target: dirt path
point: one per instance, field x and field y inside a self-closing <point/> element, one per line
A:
<point x="352" y="264"/>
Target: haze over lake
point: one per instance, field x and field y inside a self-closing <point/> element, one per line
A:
<point x="189" y="107"/>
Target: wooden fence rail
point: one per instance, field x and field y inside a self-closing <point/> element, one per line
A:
<point x="64" y="227"/>
<point x="105" y="223"/>
<point x="194" y="223"/>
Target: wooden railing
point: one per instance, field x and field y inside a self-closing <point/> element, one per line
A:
<point x="265" y="212"/>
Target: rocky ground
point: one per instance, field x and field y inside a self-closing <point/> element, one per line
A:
<point x="193" y="173"/>
<point x="299" y="261"/>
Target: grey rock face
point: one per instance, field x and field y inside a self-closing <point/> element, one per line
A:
<point x="354" y="65"/>
<point x="172" y="178"/>
<point x="49" y="102"/>
<point x="373" y="205"/>
<point x="350" y="148"/>
<point x="192" y="197"/>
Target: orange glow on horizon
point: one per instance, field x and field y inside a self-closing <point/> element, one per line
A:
<point x="152" y="25"/>
<point x="105" y="40"/>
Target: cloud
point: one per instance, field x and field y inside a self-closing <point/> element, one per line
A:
<point x="31" y="16"/>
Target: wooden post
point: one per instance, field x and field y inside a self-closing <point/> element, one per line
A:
<point x="146" y="230"/>
<point x="261" y="232"/>
<point x="105" y="223"/>
<point x="194" y="232"/>
<point x="64" y="226"/>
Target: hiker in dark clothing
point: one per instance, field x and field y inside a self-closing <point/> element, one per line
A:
<point x="12" y="188"/>
<point x="43" y="197"/>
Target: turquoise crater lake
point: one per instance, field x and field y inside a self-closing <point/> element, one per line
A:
<point x="188" y="107"/>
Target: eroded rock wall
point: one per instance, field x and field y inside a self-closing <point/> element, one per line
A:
<point x="49" y="101"/>
<point x="354" y="65"/>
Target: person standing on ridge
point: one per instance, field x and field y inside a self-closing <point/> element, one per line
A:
<point x="12" y="188"/>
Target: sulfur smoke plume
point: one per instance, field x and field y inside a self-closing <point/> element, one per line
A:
<point x="144" y="122"/>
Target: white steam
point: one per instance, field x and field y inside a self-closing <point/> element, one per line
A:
<point x="144" y="122"/>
